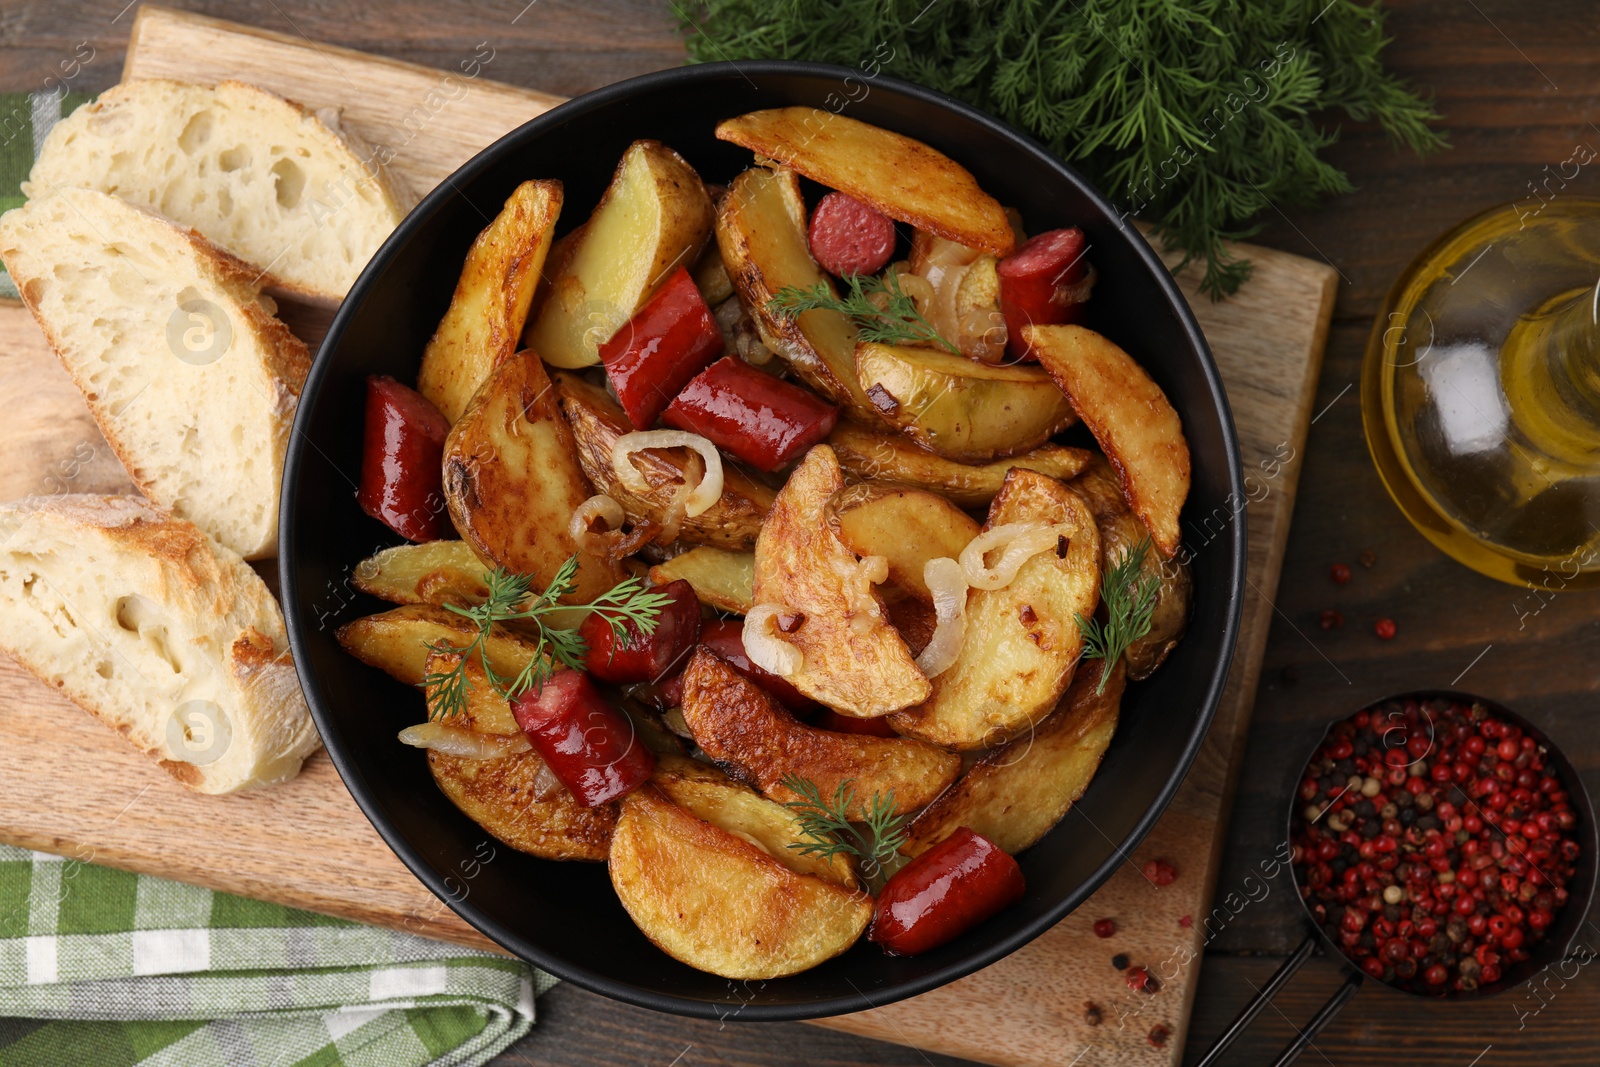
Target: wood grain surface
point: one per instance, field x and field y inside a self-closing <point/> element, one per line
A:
<point x="1269" y="357"/>
<point x="1518" y="88"/>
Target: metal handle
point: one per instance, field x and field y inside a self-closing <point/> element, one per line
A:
<point x="1264" y="997"/>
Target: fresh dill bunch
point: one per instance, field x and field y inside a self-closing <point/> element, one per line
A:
<point x="1195" y="115"/>
<point x="1130" y="599"/>
<point x="628" y="602"/>
<point x="874" y="841"/>
<point x="879" y="308"/>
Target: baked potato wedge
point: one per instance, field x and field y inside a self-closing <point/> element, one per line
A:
<point x="907" y="527"/>
<point x="654" y="217"/>
<point x="761" y="230"/>
<point x="717" y="901"/>
<point x="512" y="480"/>
<point x="1120" y="532"/>
<point x="901" y="177"/>
<point x="959" y="408"/>
<point x="755" y="739"/>
<point x="709" y="794"/>
<point x="1129" y="416"/>
<point x="1015" y="793"/>
<point x="721" y="579"/>
<point x="891" y="457"/>
<point x="490" y="305"/>
<point x="732" y="523"/>
<point x="854" y="660"/>
<point x="397" y="641"/>
<point x="512" y="797"/>
<point x="434" y="572"/>
<point x="1022" y="640"/>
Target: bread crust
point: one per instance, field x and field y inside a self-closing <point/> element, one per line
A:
<point x="132" y="578"/>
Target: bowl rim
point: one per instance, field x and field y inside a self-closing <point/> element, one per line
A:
<point x="982" y="954"/>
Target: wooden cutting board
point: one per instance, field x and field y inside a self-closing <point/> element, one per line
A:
<point x="77" y="789"/>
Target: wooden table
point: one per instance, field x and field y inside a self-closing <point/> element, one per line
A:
<point x="1519" y="90"/>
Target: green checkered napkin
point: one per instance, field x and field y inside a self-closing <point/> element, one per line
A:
<point x="25" y="120"/>
<point x="109" y="969"/>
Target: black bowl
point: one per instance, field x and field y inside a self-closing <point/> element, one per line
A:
<point x="564" y="917"/>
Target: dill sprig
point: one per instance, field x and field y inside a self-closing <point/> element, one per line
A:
<point x="879" y="308"/>
<point x="874" y="840"/>
<point x="510" y="599"/>
<point x="1129" y="596"/>
<point x="1197" y="117"/>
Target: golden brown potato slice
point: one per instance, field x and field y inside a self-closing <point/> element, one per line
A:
<point x="752" y="736"/>
<point x="720" y="578"/>
<point x="1022" y="640"/>
<point x="907" y="527"/>
<point x="721" y="903"/>
<point x="707" y="793"/>
<point x="959" y="408"/>
<point x="397" y="641"/>
<point x="434" y="572"/>
<point x="512" y="480"/>
<point x="870" y="454"/>
<point x="1129" y="415"/>
<point x="511" y="797"/>
<point x="480" y="329"/>
<point x="761" y="229"/>
<point x="512" y="800"/>
<point x="731" y="523"/>
<point x="654" y="217"/>
<point x="1120" y="532"/>
<point x="1017" y="792"/>
<point x="855" y="662"/>
<point x="901" y="177"/>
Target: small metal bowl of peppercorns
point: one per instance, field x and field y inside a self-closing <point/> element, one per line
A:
<point x="1443" y="846"/>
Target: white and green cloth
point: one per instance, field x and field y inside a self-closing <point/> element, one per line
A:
<point x="104" y="968"/>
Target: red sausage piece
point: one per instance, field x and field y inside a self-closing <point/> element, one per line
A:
<point x="669" y="340"/>
<point x="1036" y="282"/>
<point x="401" y="460"/>
<point x="763" y="420"/>
<point x="587" y="743"/>
<point x="725" y="637"/>
<point x="949" y="889"/>
<point x="849" y="237"/>
<point x="638" y="657"/>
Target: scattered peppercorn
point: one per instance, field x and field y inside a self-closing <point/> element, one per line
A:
<point x="1160" y="872"/>
<point x="1120" y="961"/>
<point x="1091" y="1013"/>
<point x="1385" y="629"/>
<point x="1369" y="558"/>
<point x="1105" y="927"/>
<point x="1187" y="922"/>
<point x="1436" y="865"/>
<point x="1341" y="573"/>
<point x="1139" y="978"/>
<point x="1331" y="618"/>
<point x="1158" y="1036"/>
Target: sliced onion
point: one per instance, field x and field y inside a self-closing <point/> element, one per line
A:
<point x="600" y="507"/>
<point x="982" y="335"/>
<point x="468" y="744"/>
<point x="545" y="783"/>
<point x="1017" y="543"/>
<point x="865" y="612"/>
<point x="947" y="581"/>
<point x="705" y="494"/>
<point x="678" y="507"/>
<point x="765" y="648"/>
<point x="1078" y="291"/>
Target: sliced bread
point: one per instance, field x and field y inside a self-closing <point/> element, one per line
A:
<point x="192" y="380"/>
<point x="289" y="191"/>
<point x="165" y="635"/>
